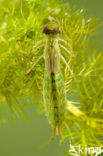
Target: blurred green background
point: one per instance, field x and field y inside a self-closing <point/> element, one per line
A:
<point x="20" y="138"/>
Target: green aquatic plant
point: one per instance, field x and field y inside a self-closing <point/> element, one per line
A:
<point x="22" y="73"/>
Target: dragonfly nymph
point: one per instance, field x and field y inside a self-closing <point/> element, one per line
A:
<point x="54" y="93"/>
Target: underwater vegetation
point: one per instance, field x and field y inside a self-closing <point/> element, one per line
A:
<point x="22" y="69"/>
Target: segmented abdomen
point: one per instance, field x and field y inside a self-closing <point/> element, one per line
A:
<point x="54" y="98"/>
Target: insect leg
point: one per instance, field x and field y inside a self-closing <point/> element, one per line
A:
<point x="67" y="50"/>
<point x="36" y="48"/>
<point x="66" y="42"/>
<point x="38" y="42"/>
<point x="34" y="64"/>
<point x="63" y="59"/>
<point x="37" y="45"/>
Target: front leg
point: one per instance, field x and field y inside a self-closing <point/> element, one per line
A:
<point x="34" y="64"/>
<point x="69" y="52"/>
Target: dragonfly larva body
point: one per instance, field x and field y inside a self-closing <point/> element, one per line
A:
<point x="54" y="89"/>
<point x="54" y="93"/>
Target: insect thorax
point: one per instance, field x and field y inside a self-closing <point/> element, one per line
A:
<point x="52" y="52"/>
<point x="52" y="55"/>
